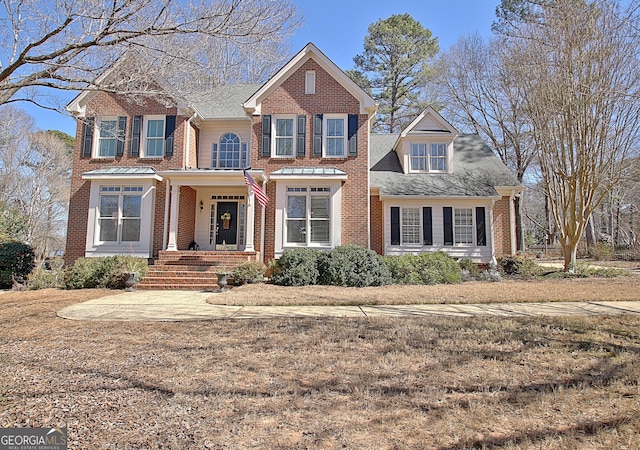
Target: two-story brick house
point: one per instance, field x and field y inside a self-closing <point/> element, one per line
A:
<point x="154" y="177"/>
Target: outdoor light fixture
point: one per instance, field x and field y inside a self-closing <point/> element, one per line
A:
<point x="201" y="205"/>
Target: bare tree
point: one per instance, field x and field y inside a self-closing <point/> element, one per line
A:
<point x="578" y="64"/>
<point x="68" y="44"/>
<point x="35" y="173"/>
<point x="482" y="95"/>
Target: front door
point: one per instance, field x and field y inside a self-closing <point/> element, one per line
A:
<point x="227" y="226"/>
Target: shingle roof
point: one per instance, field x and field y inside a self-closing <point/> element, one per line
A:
<point x="477" y="171"/>
<point x="225" y="102"/>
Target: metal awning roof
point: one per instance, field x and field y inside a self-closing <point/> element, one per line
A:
<point x="122" y="172"/>
<point x="309" y="172"/>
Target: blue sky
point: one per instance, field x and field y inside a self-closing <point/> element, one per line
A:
<point x="338" y="27"/>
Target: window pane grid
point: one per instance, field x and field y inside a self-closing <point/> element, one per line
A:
<point x="107" y="138"/>
<point x="463" y="227"/>
<point x="155" y="137"/>
<point x="229" y="151"/>
<point x="335" y="137"/>
<point x="411" y="225"/>
<point x="284" y="137"/>
<point x="308" y="217"/>
<point x="120" y="214"/>
<point x="418" y="157"/>
<point x="438" y="160"/>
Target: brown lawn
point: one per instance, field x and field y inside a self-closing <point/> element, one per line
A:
<point x="416" y="383"/>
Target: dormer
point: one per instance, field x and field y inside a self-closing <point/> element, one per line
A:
<point x="426" y="145"/>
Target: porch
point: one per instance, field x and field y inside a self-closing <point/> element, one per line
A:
<point x="191" y="270"/>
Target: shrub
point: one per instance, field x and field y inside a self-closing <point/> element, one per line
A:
<point x="249" y="272"/>
<point x="49" y="275"/>
<point x="104" y="272"/>
<point x="518" y="265"/>
<point x="17" y="260"/>
<point x="353" y="266"/>
<point x="471" y="267"/>
<point x="296" y="267"/>
<point x="425" y="268"/>
<point x="602" y="251"/>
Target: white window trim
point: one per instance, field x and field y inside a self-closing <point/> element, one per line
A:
<point x="96" y="137"/>
<point x="402" y="226"/>
<point x="274" y="121"/>
<point x="310" y="82"/>
<point x="141" y="248"/>
<point x="216" y="163"/>
<point x="309" y="193"/>
<point x="447" y="158"/>
<point x="143" y="137"/>
<point x="325" y="128"/>
<point x="473" y="228"/>
<point x="335" y="205"/>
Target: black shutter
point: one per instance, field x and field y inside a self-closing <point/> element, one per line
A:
<point x="427" y="226"/>
<point x="395" y="225"/>
<point x="266" y="135"/>
<point x="135" y="136"/>
<point x="302" y="133"/>
<point x="169" y="130"/>
<point x="87" y="137"/>
<point x="122" y="131"/>
<point x="447" y="212"/>
<point x="353" y="134"/>
<point x="481" y="231"/>
<point x="317" y="135"/>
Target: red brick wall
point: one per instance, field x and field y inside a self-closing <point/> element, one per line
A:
<point x="187" y="217"/>
<point x="377" y="225"/>
<point x="330" y="98"/>
<point x="501" y="226"/>
<point x="105" y="104"/>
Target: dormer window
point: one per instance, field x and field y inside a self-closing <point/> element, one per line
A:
<point x="428" y="157"/>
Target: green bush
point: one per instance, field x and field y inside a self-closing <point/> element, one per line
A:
<point x="104" y="272"/>
<point x="17" y="260"/>
<point x="471" y="268"/>
<point x="249" y="272"/>
<point x="424" y="268"/>
<point x="518" y="265"/>
<point x="49" y="275"/>
<point x="353" y="266"/>
<point x="296" y="267"/>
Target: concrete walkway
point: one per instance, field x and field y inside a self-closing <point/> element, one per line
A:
<point x="187" y="305"/>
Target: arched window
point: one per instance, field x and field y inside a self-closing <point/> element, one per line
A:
<point x="229" y="157"/>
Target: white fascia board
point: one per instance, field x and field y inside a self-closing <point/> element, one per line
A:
<point x="506" y="191"/>
<point x="438" y="198"/>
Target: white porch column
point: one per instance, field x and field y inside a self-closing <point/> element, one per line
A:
<point x="173" y="220"/>
<point x="251" y="221"/>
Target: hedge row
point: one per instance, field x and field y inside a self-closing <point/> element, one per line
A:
<point x="355" y="266"/>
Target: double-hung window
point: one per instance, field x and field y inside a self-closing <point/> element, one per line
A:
<point x="119" y="213"/>
<point x="463" y="226"/>
<point x="419" y="157"/>
<point x="428" y="157"/>
<point x="154" y="136"/>
<point x="438" y="158"/>
<point x="410" y="226"/>
<point x="107" y="137"/>
<point x="335" y="136"/>
<point x="284" y="136"/>
<point x="308" y="216"/>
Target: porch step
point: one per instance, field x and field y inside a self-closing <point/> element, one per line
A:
<point x="190" y="270"/>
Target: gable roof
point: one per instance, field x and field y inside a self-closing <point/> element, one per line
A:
<point x="226" y="102"/>
<point x="477" y="171"/>
<point x="310" y="51"/>
<point x="429" y="122"/>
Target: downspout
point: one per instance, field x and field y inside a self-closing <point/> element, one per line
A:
<point x="493" y="233"/>
<point x="188" y="143"/>
<point x="165" y="229"/>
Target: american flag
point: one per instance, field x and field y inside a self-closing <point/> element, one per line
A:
<point x="261" y="196"/>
